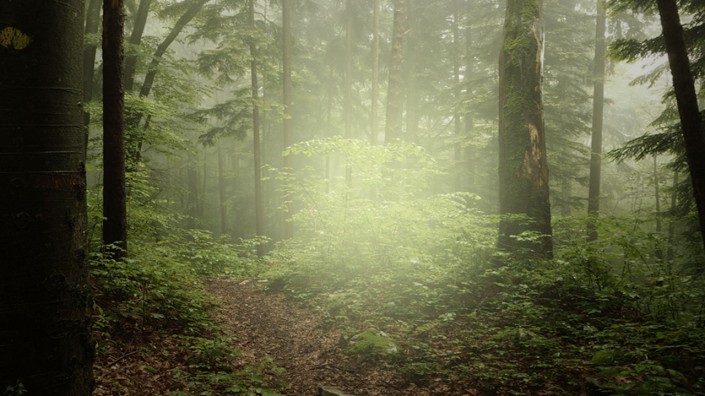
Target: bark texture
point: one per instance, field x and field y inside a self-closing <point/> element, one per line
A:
<point x="687" y="100"/>
<point x="114" y="207"/>
<point x="523" y="170"/>
<point x="45" y="339"/>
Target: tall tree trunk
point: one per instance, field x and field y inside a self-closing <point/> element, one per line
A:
<point x="687" y="100"/>
<point x="135" y="40"/>
<point x="468" y="116"/>
<point x="347" y="73"/>
<point x="114" y="209"/>
<point x="45" y="341"/>
<point x="257" y="144"/>
<point x="412" y="95"/>
<point x="523" y="169"/>
<point x="598" y="105"/>
<point x="374" y="94"/>
<point x="89" y="50"/>
<point x="392" y="130"/>
<point x="287" y="88"/>
<point x="457" y="121"/>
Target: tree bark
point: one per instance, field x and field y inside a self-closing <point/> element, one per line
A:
<point x="45" y="341"/>
<point x="687" y="101"/>
<point x="257" y="145"/>
<point x="135" y="40"/>
<point x="114" y="207"/>
<point x="598" y="105"/>
<point x="523" y="170"/>
<point x="288" y="226"/>
<point x="393" y="125"/>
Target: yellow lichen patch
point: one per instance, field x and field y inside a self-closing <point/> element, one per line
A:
<point x="13" y="38"/>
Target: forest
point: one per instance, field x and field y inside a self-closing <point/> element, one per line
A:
<point x="352" y="197"/>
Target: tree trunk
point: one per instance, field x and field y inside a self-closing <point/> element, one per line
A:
<point x="45" y="341"/>
<point x="457" y="121"/>
<point x="287" y="88"/>
<point x="658" y="251"/>
<point x="135" y="40"/>
<point x="412" y="96"/>
<point x="135" y="145"/>
<point x="374" y="94"/>
<point x="687" y="100"/>
<point x="89" y="50"/>
<point x="523" y="171"/>
<point x="347" y="73"/>
<point x="598" y="105"/>
<point x="114" y="208"/>
<point x="222" y="206"/>
<point x="259" y="199"/>
<point x="392" y="130"/>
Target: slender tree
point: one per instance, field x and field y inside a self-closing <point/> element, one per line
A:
<point x="140" y="23"/>
<point x="687" y="102"/>
<point x="374" y="91"/>
<point x="347" y="73"/>
<point x="598" y="105"/>
<point x="393" y="125"/>
<point x="114" y="207"/>
<point x="89" y="51"/>
<point x="286" y="94"/>
<point x="45" y="342"/>
<point x="256" y="138"/>
<point x="523" y="171"/>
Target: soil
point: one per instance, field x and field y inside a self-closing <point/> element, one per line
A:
<point x="263" y="327"/>
<point x="268" y="326"/>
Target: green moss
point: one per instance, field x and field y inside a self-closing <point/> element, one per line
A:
<point x="373" y="342"/>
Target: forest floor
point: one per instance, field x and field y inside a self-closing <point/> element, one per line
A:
<point x="286" y="346"/>
<point x="263" y="326"/>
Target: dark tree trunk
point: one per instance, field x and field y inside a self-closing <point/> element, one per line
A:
<point x="45" y="341"/>
<point x="257" y="144"/>
<point x="687" y="100"/>
<point x="114" y="209"/>
<point x="135" y="40"/>
<point x="392" y="130"/>
<point x="598" y="105"/>
<point x="288" y="226"/>
<point x="523" y="169"/>
<point x="374" y="94"/>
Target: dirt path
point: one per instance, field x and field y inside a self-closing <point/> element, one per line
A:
<point x="264" y="325"/>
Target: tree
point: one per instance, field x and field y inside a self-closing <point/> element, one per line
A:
<point x="394" y="87"/>
<point x="374" y="91"/>
<point x="687" y="102"/>
<point x="256" y="138"/>
<point x="598" y="106"/>
<point x="286" y="95"/>
<point x="44" y="293"/>
<point x="523" y="170"/>
<point x="114" y="205"/>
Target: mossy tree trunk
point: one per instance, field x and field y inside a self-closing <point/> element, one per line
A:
<point x="523" y="169"/>
<point x="45" y="341"/>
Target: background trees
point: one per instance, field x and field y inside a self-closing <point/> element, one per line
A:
<point x="45" y="298"/>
